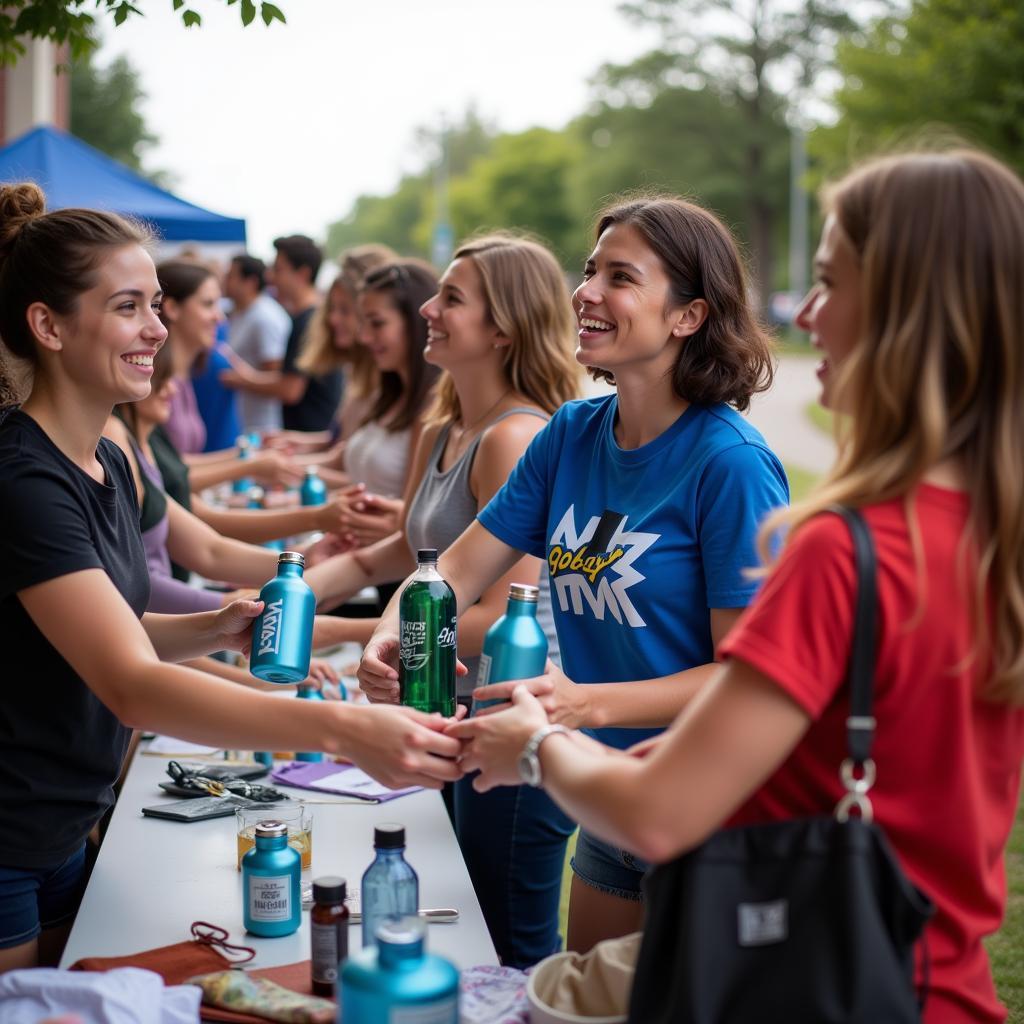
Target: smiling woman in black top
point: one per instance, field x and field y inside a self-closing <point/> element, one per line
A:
<point x="79" y="300"/>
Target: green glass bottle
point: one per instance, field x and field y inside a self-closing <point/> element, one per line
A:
<point x="427" y="630"/>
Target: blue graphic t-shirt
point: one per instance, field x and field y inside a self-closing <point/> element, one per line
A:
<point x="639" y="543"/>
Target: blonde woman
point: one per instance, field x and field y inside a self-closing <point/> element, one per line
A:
<point x="919" y="315"/>
<point x="501" y="327"/>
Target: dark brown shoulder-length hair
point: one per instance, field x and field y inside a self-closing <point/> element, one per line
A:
<point x="408" y="283"/>
<point x="731" y="357"/>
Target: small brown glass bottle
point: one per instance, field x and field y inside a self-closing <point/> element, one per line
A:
<point x="329" y="928"/>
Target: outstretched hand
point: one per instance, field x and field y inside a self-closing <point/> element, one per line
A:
<point x="565" y="702"/>
<point x="492" y="743"/>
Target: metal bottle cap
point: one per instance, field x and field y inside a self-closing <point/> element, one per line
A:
<point x="256" y="493"/>
<point x="523" y="592"/>
<point x="271" y="829"/>
<point x="426" y="555"/>
<point x="312" y="471"/>
<point x="292" y="558"/>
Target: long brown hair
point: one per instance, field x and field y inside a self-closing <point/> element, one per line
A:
<point x="319" y="354"/>
<point x="730" y="358"/>
<point x="408" y="284"/>
<point x="528" y="301"/>
<point x="50" y="258"/>
<point x="938" y="370"/>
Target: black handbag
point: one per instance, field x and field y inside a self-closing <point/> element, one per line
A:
<point x="794" y="922"/>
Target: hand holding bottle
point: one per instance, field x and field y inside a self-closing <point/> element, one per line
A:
<point x="565" y="702"/>
<point x="233" y="625"/>
<point x="378" y="668"/>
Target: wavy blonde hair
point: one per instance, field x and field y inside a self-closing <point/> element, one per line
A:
<point x="319" y="354"/>
<point x="528" y="300"/>
<point x="938" y="371"/>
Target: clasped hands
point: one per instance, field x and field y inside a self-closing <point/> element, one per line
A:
<point x="493" y="739"/>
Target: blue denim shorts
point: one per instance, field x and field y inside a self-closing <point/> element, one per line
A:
<point x="32" y="899"/>
<point x="607" y="868"/>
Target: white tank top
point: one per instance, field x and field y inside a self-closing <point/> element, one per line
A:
<point x="379" y="458"/>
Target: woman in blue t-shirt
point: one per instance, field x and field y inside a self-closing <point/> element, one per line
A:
<point x="644" y="504"/>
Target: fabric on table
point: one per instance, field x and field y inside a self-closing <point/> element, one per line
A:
<point x="126" y="995"/>
<point x="241" y="991"/>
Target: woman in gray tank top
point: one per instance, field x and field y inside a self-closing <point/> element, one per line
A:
<point x="502" y="328"/>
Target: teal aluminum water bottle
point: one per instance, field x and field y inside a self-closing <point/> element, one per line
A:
<point x="515" y="647"/>
<point x="255" y="441"/>
<point x="309" y="693"/>
<point x="242" y="484"/>
<point x="282" y="636"/>
<point x="397" y="980"/>
<point x="427" y="627"/>
<point x="390" y="888"/>
<point x="256" y="501"/>
<point x="313" y="490"/>
<point x="271" y="887"/>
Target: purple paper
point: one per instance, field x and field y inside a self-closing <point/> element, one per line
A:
<point x="341" y="779"/>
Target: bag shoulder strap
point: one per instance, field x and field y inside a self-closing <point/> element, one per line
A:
<point x="860" y="725"/>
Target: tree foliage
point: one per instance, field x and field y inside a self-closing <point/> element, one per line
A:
<point x="948" y="65"/>
<point x="74" y="21"/>
<point x="105" y="110"/>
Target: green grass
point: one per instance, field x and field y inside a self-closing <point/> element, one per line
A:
<point x="820" y="417"/>
<point x="800" y="481"/>
<point x="1006" y="947"/>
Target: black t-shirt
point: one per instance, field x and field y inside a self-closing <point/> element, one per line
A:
<point x="319" y="405"/>
<point x="61" y="749"/>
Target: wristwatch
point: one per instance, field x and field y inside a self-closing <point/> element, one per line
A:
<point x="529" y="762"/>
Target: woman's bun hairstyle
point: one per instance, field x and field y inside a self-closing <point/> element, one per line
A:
<point x="19" y="204"/>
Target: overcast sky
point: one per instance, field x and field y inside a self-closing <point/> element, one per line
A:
<point x="286" y="126"/>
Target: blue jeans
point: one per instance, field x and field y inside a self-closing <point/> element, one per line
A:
<point x="32" y="899"/>
<point x="607" y="868"/>
<point x="513" y="839"/>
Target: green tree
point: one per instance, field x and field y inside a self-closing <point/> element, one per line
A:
<point x="524" y="181"/>
<point x="105" y="113"/>
<point x="71" y="21"/>
<point x="404" y="218"/>
<point x="687" y="141"/>
<point x="750" y="54"/>
<point x="952" y="63"/>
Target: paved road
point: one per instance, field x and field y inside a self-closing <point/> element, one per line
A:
<point x="779" y="415"/>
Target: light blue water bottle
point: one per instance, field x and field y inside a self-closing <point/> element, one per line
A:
<point x="309" y="693"/>
<point x="282" y="635"/>
<point x="256" y="502"/>
<point x="242" y="484"/>
<point x="255" y="441"/>
<point x="313" y="490"/>
<point x="398" y="980"/>
<point x="271" y="888"/>
<point x="390" y="888"/>
<point x="515" y="647"/>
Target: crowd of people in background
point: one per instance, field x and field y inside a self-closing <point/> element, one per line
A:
<point x="442" y="408"/>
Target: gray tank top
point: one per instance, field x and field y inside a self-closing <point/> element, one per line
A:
<point x="444" y="506"/>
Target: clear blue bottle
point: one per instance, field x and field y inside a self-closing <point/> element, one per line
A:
<point x="255" y="441"/>
<point x="271" y="886"/>
<point x="282" y="636"/>
<point x="309" y="693"/>
<point x="313" y="490"/>
<point x="390" y="888"/>
<point x="515" y="647"/>
<point x="242" y="484"/>
<point x="399" y="980"/>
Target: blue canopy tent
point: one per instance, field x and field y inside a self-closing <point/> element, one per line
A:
<point x="72" y="173"/>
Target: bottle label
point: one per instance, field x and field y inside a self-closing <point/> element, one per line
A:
<point x="270" y="627"/>
<point x="325" y="952"/>
<point x="412" y="645"/>
<point x="483" y="673"/>
<point x="270" y="897"/>
<point x="446" y="638"/>
<point x="444" y="1012"/>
